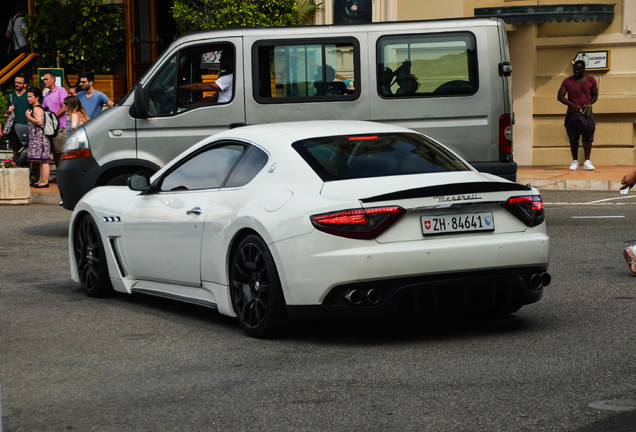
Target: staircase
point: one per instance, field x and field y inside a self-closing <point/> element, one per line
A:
<point x="16" y="65"/>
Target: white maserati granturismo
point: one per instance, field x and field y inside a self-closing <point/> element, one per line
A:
<point x="309" y="219"/>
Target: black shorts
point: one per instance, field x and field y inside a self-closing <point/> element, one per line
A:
<point x="573" y="134"/>
<point x="14" y="142"/>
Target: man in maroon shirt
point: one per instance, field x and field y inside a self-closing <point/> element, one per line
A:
<point x="577" y="92"/>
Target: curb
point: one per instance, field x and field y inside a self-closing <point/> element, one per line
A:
<point x="569" y="184"/>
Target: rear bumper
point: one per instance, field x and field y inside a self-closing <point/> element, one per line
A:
<point x="75" y="177"/>
<point x="485" y="292"/>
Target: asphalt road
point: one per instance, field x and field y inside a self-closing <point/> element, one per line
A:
<point x="135" y="363"/>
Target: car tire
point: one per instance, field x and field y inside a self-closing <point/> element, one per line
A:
<point x="90" y="258"/>
<point x="255" y="289"/>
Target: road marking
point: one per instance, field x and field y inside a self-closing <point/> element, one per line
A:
<point x="606" y="201"/>
<point x="597" y="217"/>
<point x="587" y="204"/>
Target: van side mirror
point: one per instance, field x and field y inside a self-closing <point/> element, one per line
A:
<point x="139" y="106"/>
<point x="139" y="182"/>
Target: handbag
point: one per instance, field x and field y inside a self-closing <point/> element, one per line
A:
<point x="22" y="131"/>
<point x="10" y="120"/>
<point x="8" y="124"/>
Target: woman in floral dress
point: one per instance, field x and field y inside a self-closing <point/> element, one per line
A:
<point x="39" y="150"/>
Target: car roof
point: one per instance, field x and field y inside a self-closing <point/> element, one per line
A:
<point x="296" y="131"/>
<point x="276" y="138"/>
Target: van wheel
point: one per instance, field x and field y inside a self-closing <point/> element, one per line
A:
<point x="120" y="180"/>
<point x="255" y="289"/>
<point x="91" y="259"/>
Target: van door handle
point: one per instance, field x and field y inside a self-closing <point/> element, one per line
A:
<point x="195" y="211"/>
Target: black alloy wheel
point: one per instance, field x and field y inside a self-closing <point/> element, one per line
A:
<point x="91" y="259"/>
<point x="257" y="296"/>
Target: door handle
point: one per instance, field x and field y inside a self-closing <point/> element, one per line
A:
<point x="195" y="211"/>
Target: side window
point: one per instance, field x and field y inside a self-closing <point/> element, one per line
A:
<point x="203" y="74"/>
<point x="308" y="71"/>
<point x="206" y="75"/>
<point x="205" y="170"/>
<point x="427" y="65"/>
<point x="250" y="164"/>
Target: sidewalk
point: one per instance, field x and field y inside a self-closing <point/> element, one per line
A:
<point x="603" y="178"/>
<point x="559" y="177"/>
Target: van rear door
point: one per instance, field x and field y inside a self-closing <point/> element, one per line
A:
<point x="178" y="115"/>
<point x="443" y="82"/>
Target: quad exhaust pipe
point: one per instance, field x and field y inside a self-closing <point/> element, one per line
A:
<point x="356" y="297"/>
<point x="540" y="280"/>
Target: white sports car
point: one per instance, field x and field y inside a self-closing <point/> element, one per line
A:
<point x="314" y="218"/>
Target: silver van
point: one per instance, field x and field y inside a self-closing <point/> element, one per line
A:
<point x="449" y="79"/>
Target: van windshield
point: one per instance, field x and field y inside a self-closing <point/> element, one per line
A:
<point x="376" y="155"/>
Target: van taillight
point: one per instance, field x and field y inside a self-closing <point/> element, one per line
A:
<point x="505" y="138"/>
<point x="364" y="224"/>
<point x="76" y="154"/>
<point x="528" y="209"/>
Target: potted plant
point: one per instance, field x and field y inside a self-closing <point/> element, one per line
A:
<point x="14" y="184"/>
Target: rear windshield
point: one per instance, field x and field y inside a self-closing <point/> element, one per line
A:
<point x="376" y="155"/>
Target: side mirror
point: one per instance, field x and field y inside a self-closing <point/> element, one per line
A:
<point x="139" y="182"/>
<point x="140" y="107"/>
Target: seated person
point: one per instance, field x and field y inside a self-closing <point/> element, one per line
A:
<point x="222" y="86"/>
<point x="408" y="85"/>
<point x="386" y="77"/>
<point x="328" y="87"/>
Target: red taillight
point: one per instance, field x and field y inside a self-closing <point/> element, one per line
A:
<point x="528" y="209"/>
<point x="505" y="137"/>
<point x="76" y="154"/>
<point x="358" y="223"/>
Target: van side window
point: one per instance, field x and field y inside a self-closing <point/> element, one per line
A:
<point x="201" y="75"/>
<point x="312" y="71"/>
<point x="427" y="65"/>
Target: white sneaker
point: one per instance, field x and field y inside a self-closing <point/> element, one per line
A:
<point x="574" y="165"/>
<point x="587" y="166"/>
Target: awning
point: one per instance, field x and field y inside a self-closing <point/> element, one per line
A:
<point x="594" y="12"/>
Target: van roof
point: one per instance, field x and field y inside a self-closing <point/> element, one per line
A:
<point x="445" y="23"/>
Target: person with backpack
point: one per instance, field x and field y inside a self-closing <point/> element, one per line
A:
<point x="15" y="31"/>
<point x="54" y="101"/>
<point x="39" y="144"/>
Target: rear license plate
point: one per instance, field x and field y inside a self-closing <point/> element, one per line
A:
<point x="464" y="222"/>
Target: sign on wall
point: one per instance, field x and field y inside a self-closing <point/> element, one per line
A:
<point x="57" y="73"/>
<point x="594" y="60"/>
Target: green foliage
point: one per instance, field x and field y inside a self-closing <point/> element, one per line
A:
<point x="307" y="10"/>
<point x="89" y="34"/>
<point x="3" y="108"/>
<point x="195" y="15"/>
